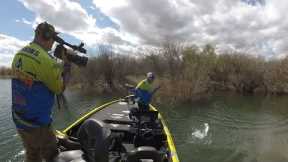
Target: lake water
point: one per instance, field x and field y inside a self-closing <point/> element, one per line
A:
<point x="222" y="129"/>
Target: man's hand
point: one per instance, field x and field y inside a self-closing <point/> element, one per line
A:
<point x="70" y="56"/>
<point x="60" y="52"/>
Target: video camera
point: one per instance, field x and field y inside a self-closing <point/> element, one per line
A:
<point x="74" y="58"/>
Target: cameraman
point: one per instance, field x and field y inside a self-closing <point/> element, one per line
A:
<point x="38" y="77"/>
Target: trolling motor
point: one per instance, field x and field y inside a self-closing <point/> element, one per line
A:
<point x="72" y="57"/>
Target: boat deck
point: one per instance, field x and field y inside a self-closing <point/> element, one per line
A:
<point x="116" y="116"/>
<point x="128" y="131"/>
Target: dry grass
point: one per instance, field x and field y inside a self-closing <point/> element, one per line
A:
<point x="185" y="73"/>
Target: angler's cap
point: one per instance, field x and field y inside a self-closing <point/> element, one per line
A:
<point x="150" y="75"/>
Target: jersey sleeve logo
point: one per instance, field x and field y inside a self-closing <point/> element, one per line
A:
<point x="30" y="51"/>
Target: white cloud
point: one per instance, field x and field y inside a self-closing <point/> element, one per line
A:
<point x="9" y="46"/>
<point x="24" y="21"/>
<point x="71" y="18"/>
<point x="256" y="26"/>
<point x="66" y="15"/>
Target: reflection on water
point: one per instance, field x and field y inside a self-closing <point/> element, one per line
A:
<point x="223" y="129"/>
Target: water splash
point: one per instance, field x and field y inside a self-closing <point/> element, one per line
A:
<point x="201" y="133"/>
<point x="17" y="156"/>
<point x="20" y="153"/>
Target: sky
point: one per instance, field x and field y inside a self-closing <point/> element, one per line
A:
<point x="257" y="27"/>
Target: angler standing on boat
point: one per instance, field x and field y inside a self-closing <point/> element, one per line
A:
<point x="144" y="91"/>
<point x="38" y="77"/>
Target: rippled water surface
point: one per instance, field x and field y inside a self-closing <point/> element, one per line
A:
<point x="223" y="129"/>
<point x="231" y="129"/>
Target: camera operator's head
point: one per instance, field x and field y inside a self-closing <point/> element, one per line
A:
<point x="44" y="35"/>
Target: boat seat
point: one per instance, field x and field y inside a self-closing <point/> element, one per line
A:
<point x="145" y="152"/>
<point x="94" y="137"/>
<point x="70" y="156"/>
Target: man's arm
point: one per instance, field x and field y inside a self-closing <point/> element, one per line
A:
<point x="57" y="75"/>
<point x="51" y="76"/>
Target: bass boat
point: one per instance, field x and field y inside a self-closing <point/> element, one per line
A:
<point x="117" y="132"/>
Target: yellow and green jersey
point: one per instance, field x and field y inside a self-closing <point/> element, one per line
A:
<point x="37" y="78"/>
<point x="144" y="85"/>
<point x="144" y="91"/>
<point x="35" y="62"/>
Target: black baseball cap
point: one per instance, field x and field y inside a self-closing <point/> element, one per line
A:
<point x="46" y="27"/>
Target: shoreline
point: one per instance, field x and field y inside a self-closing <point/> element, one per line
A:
<point x="165" y="95"/>
<point x="5" y="77"/>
